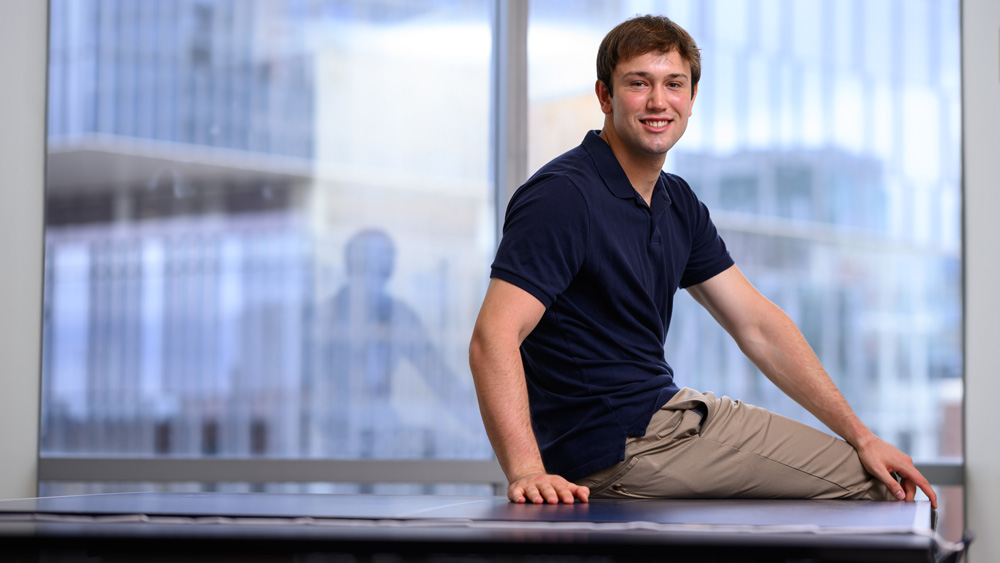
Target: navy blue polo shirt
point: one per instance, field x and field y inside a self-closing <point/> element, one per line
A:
<point x="606" y="266"/>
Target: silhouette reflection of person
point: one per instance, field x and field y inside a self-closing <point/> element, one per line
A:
<point x="366" y="334"/>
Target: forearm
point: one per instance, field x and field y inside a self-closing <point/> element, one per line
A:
<point x="781" y="352"/>
<point x="503" y="402"/>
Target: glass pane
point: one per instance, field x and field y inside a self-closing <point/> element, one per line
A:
<point x="825" y="139"/>
<point x="268" y="231"/>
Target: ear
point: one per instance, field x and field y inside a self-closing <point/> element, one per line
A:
<point x="603" y="96"/>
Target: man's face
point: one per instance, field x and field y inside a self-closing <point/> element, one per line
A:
<point x="651" y="104"/>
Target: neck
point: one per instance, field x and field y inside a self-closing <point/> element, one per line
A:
<point x="642" y="170"/>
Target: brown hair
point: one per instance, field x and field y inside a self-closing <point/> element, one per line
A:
<point x="645" y="34"/>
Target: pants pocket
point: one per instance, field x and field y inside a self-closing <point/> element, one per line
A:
<point x="677" y="424"/>
<point x="663" y="424"/>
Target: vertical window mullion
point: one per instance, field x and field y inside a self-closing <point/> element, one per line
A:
<point x="510" y="102"/>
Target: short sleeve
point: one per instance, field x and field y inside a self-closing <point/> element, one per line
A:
<point x="544" y="239"/>
<point x="709" y="256"/>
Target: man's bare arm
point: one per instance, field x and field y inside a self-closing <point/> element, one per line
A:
<point x="775" y="345"/>
<point x="507" y="316"/>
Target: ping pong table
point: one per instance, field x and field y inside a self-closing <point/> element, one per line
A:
<point x="342" y="528"/>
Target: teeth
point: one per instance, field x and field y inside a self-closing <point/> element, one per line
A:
<point x="657" y="123"/>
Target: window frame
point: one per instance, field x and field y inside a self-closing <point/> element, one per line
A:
<point x="509" y="134"/>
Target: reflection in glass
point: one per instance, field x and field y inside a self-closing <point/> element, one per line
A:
<point x="362" y="335"/>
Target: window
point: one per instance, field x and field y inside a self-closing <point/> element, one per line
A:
<point x="269" y="223"/>
<point x="269" y="226"/>
<point x="825" y="139"/>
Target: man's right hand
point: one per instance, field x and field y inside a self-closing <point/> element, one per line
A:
<point x="541" y="488"/>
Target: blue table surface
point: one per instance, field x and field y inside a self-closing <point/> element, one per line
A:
<point x="818" y="515"/>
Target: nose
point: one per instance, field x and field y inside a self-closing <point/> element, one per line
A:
<point x="657" y="99"/>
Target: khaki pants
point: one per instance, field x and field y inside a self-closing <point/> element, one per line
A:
<point x="736" y="451"/>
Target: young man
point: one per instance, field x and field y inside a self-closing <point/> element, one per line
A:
<point x="567" y="353"/>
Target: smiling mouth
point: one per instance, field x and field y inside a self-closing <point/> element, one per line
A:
<point x="656" y="123"/>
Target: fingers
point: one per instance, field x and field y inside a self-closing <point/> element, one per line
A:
<point x="516" y="494"/>
<point x="911" y="482"/>
<point x="550" y="489"/>
<point x="543" y="492"/>
<point x="883" y="461"/>
<point x="889" y="481"/>
<point x="926" y="488"/>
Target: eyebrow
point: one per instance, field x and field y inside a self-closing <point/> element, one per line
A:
<point x="644" y="74"/>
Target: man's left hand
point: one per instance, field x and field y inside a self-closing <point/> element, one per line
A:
<point x="882" y="460"/>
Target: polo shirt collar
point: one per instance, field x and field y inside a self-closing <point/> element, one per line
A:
<point x="612" y="173"/>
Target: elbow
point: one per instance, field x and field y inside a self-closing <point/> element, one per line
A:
<point x="477" y="350"/>
<point x="490" y="351"/>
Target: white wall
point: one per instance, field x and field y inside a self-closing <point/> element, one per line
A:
<point x="981" y="169"/>
<point x="23" y="27"/>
